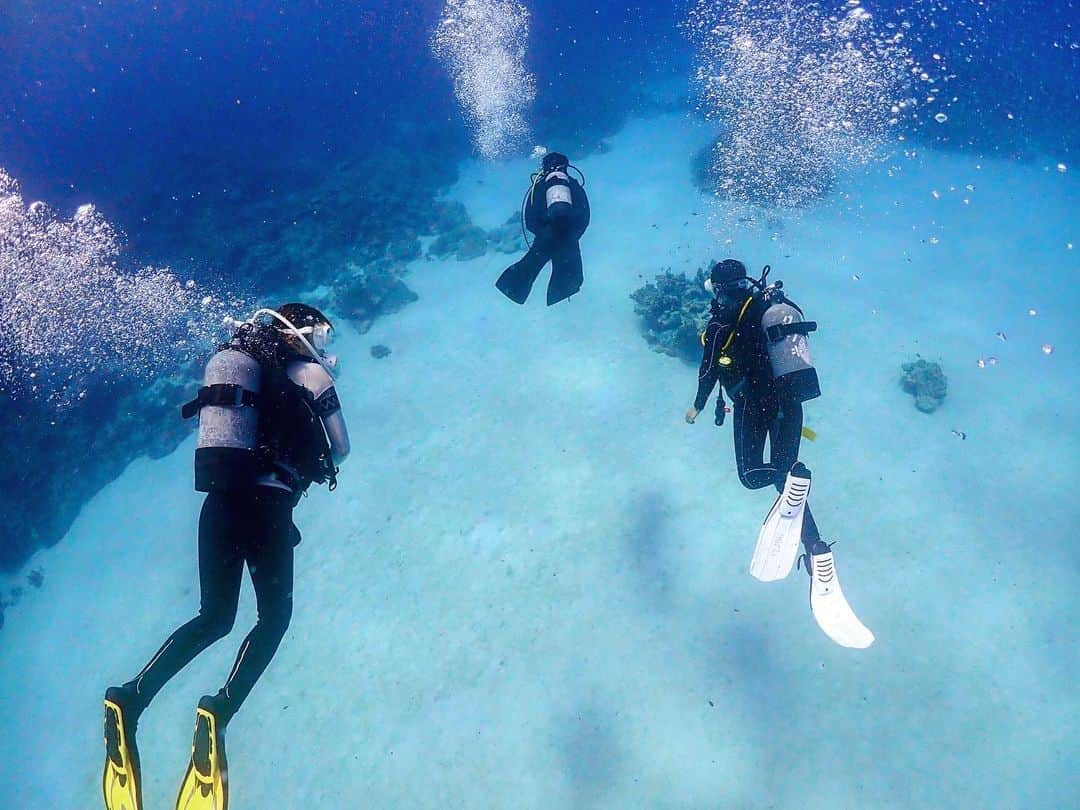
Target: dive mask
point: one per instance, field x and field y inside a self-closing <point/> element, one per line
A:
<point x="321" y="335"/>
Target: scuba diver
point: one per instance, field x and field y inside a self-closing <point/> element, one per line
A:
<point x="270" y="425"/>
<point x="556" y="212"/>
<point x="755" y="346"/>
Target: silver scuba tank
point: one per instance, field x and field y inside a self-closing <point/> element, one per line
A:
<point x="557" y="193"/>
<point x="785" y="332"/>
<point x="226" y="449"/>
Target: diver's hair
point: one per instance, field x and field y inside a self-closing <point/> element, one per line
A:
<point x="301" y="315"/>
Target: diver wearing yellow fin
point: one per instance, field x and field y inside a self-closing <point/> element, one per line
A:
<point x="206" y="783"/>
<point x="270" y="426"/>
<point x="756" y="346"/>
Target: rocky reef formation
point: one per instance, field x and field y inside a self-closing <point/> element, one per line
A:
<point x="925" y="381"/>
<point x="55" y="459"/>
<point x="363" y="293"/>
<point x="674" y="309"/>
<point x="35" y="579"/>
<point x="460" y="238"/>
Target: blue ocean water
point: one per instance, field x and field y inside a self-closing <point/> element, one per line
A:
<point x="531" y="587"/>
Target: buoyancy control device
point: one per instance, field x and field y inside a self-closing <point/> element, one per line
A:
<point x="254" y="420"/>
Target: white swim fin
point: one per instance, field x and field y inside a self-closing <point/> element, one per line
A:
<point x="780" y="535"/>
<point x="831" y="610"/>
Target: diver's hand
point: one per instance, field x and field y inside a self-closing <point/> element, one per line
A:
<point x="691" y="415"/>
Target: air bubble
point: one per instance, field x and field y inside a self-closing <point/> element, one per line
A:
<point x="482" y="44"/>
<point x="941" y="118"/>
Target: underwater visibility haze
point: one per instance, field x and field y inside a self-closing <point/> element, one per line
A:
<point x="526" y="404"/>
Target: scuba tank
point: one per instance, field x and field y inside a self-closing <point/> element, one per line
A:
<point x="227" y="454"/>
<point x="785" y="333"/>
<point x="557" y="195"/>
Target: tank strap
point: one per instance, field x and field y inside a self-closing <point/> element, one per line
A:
<point x="782" y="330"/>
<point x="227" y="395"/>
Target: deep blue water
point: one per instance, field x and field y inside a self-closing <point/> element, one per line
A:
<point x="92" y="94"/>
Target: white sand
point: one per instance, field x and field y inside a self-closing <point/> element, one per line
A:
<point x="530" y="589"/>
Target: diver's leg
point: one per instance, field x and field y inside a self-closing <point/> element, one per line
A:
<point x="785" y="436"/>
<point x="220" y="570"/>
<point x="810" y="533"/>
<point x="750" y="429"/>
<point x="517" y="280"/>
<point x="566" y="273"/>
<point x="270" y="561"/>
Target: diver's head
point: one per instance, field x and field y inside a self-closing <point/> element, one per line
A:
<point x="554" y="161"/>
<point x="726" y="277"/>
<point x="315" y="327"/>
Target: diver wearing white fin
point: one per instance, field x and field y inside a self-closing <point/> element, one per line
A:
<point x="755" y="346"/>
<point x="831" y="610"/>
<point x="782" y="531"/>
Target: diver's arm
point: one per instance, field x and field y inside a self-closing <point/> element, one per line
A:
<point x="535" y="210"/>
<point x="581" y="200"/>
<point x="327" y="406"/>
<point x="709" y="372"/>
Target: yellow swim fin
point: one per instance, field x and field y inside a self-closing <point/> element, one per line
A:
<point x="808" y="434"/>
<point x="206" y="783"/>
<point x="120" y="782"/>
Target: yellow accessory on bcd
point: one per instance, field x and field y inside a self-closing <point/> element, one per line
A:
<point x="724" y="359"/>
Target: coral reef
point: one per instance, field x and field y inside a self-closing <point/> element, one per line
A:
<point x="460" y="238"/>
<point x="379" y="351"/>
<point x="926" y="382"/>
<point x="673" y="310"/>
<point x="507" y="238"/>
<point x="363" y="293"/>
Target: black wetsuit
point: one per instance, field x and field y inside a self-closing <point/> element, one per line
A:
<point x="759" y="412"/>
<point x="252" y="527"/>
<point x="556" y="241"/>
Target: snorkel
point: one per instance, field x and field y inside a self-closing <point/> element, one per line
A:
<point x="328" y="362"/>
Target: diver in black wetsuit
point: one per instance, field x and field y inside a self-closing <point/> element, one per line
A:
<point x="755" y="346"/>
<point x="556" y="211"/>
<point x="270" y="425"/>
<point x="735" y="354"/>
